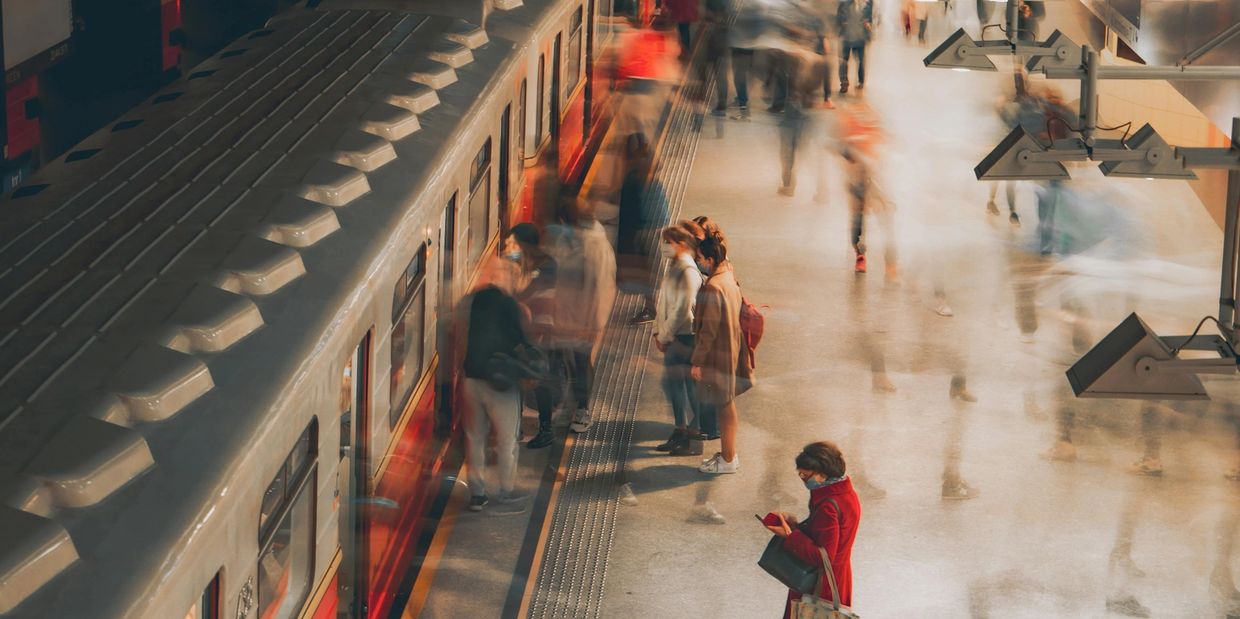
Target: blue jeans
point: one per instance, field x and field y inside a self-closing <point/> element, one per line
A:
<point x="742" y="60"/>
<point x="848" y="50"/>
<point x="677" y="384"/>
<point x="1048" y="199"/>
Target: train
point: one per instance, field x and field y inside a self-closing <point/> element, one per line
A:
<point x="200" y="304"/>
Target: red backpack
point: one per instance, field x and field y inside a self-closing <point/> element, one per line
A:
<point x="753" y="324"/>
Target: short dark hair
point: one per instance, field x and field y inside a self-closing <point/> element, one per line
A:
<point x="822" y="457"/>
<point x="525" y="233"/>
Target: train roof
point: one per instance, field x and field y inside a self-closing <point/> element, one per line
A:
<point x="211" y="232"/>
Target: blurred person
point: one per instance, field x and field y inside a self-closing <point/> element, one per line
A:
<point x="792" y="126"/>
<point x="584" y="295"/>
<point x="684" y="13"/>
<point x="921" y="14"/>
<point x="717" y="51"/>
<point x="1122" y="571"/>
<point x="864" y="198"/>
<point x="495" y="331"/>
<point x="1054" y="117"/>
<point x="546" y="188"/>
<point x="674" y="337"/>
<point x="720" y="363"/>
<point x="831" y="527"/>
<point x="643" y="66"/>
<point x="1029" y="18"/>
<point x="1008" y="110"/>
<point x="536" y="294"/>
<point x="855" y="23"/>
<point x="643" y="211"/>
<point x="954" y="486"/>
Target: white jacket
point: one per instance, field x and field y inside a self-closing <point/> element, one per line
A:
<point x="677" y="296"/>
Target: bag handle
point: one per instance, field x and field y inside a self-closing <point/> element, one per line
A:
<point x="826" y="566"/>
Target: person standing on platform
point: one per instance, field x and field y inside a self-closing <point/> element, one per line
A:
<point x="494" y="402"/>
<point x="720" y="363"/>
<point x="584" y="295"/>
<point x="537" y="295"/>
<point x="855" y="23"/>
<point x="683" y="13"/>
<point x="643" y="211"/>
<point x="673" y="336"/>
<point x="831" y="527"/>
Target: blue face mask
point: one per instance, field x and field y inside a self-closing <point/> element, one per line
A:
<point x="814" y="484"/>
<point x="514" y="255"/>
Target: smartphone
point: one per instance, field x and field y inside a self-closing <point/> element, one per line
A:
<point x="760" y="519"/>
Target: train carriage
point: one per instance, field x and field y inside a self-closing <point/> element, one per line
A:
<point x="218" y="315"/>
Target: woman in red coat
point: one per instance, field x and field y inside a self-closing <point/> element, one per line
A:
<point x="834" y="512"/>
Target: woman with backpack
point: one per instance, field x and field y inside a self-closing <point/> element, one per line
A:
<point x="720" y="363"/>
<point x="834" y="512"/>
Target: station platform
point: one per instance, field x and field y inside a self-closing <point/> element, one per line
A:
<point x="615" y="529"/>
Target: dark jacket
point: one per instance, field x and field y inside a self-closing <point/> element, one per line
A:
<point x="831" y="530"/>
<point x="845" y="12"/>
<point x="494" y="328"/>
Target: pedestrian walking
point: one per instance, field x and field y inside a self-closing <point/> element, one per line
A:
<point x="494" y="334"/>
<point x="855" y="24"/>
<point x="684" y="13"/>
<point x="720" y="361"/>
<point x="673" y="336"/>
<point x="831" y="527"/>
<point x="584" y="294"/>
<point x="642" y="212"/>
<point x="536" y="294"/>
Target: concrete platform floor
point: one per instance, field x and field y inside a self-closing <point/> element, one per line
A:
<point x="1043" y="538"/>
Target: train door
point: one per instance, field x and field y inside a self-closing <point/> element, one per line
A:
<point x="588" y="111"/>
<point x="443" y="326"/>
<point x="505" y="168"/>
<point x="353" y="482"/>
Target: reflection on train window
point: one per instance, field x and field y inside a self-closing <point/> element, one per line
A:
<point x="479" y="203"/>
<point x="286" y="532"/>
<point x="408" y="321"/>
<point x="208" y="606"/>
<point x="572" y="76"/>
<point x="538" y="111"/>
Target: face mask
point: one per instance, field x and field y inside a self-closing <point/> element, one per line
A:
<point x="667" y="251"/>
<point x="814" y="484"/>
<point x="514" y="255"/>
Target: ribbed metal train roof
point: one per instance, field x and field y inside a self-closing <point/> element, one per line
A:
<point x="130" y="264"/>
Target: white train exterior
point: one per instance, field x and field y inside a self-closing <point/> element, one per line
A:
<point x="218" y="315"/>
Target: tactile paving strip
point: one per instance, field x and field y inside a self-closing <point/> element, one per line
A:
<point x="574" y="562"/>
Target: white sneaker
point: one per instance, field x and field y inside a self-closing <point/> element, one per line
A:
<point x="717" y="456"/>
<point x="581" y="421"/>
<point x="706" y="514"/>
<point x="944" y="310"/>
<point x="721" y="466"/>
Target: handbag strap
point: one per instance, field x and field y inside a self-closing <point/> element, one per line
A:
<point x="826" y="567"/>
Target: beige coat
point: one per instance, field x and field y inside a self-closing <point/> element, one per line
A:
<point x="719" y="348"/>
<point x="585" y="283"/>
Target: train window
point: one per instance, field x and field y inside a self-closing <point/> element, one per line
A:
<point x="522" y="122"/>
<point x="408" y="320"/>
<point x="286" y="533"/>
<point x="538" y="112"/>
<point x="479" y="203"/>
<point x="572" y="76"/>
<point x="208" y="606"/>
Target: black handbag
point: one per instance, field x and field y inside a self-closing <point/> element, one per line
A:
<point x="787" y="568"/>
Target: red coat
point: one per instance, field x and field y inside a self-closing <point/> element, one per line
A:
<point x="681" y="11"/>
<point x="832" y="531"/>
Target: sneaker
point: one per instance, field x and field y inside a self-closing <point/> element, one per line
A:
<point x="844" y="88"/>
<point x="719" y="112"/>
<point x="706" y="514"/>
<point x="626" y="496"/>
<point x="477" y="502"/>
<point x="882" y="384"/>
<point x="717" y="456"/>
<point x="1014" y="219"/>
<point x="544" y="438"/>
<point x="860" y="266"/>
<point x="893" y="274"/>
<point x="1028" y="338"/>
<point x="786" y="191"/>
<point x="992" y="208"/>
<point x="643" y="317"/>
<point x="1063" y="451"/>
<point x="671" y="442"/>
<point x="581" y="421"/>
<point x="510" y="498"/>
<point x="742" y="113"/>
<point x="1127" y="606"/>
<point x="944" y="310"/>
<point x="719" y="466"/>
<point x="828" y="104"/>
<point x="1151" y="467"/>
<point x="959" y="491"/>
<point x="776" y="109"/>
